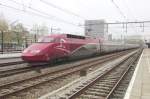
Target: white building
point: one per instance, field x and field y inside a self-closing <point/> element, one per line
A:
<point x="96" y="28"/>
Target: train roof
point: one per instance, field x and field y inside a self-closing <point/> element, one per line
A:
<point x="72" y="36"/>
<point x="67" y="36"/>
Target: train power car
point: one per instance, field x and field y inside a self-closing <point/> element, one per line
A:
<point x="62" y="46"/>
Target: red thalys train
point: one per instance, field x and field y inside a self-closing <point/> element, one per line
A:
<point x="61" y="46"/>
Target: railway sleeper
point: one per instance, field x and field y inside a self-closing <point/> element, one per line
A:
<point x="104" y="82"/>
<point x="121" y="88"/>
<point x="105" y="85"/>
<point x="61" y="98"/>
<point x="101" y="87"/>
<point x="118" y="95"/>
<point x="123" y="85"/>
<point x="99" y="90"/>
<point x="115" y="72"/>
<point x="111" y="77"/>
<point x="81" y="86"/>
<point x="89" y="97"/>
<point x="126" y="80"/>
<point x="119" y="92"/>
<point x="5" y="91"/>
<point x="108" y="79"/>
<point x="78" y="88"/>
<point x="73" y="91"/>
<point x="102" y="94"/>
<point x="68" y="94"/>
<point x="95" y="93"/>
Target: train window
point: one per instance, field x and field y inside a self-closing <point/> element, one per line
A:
<point x="46" y="40"/>
<point x="75" y="36"/>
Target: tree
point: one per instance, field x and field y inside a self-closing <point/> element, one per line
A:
<point x="40" y="30"/>
<point x="4" y="28"/>
<point x="3" y="24"/>
<point x="43" y="29"/>
<point x="18" y="33"/>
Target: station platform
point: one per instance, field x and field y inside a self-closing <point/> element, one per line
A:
<point x="139" y="87"/>
<point x="10" y="55"/>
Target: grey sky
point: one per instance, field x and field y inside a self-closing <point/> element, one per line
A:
<point x="89" y="9"/>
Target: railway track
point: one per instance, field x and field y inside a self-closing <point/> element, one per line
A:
<point x="120" y="89"/>
<point x="23" y="69"/>
<point x="104" y="86"/>
<point x="10" y="61"/>
<point x="15" y="87"/>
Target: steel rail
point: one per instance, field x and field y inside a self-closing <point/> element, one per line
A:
<point x="11" y="63"/>
<point x="124" y="74"/>
<point x="14" y="71"/>
<point x="70" y="71"/>
<point x="83" y="89"/>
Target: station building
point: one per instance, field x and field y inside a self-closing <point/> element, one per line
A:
<point x="96" y="28"/>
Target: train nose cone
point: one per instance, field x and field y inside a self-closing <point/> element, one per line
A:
<point x="36" y="52"/>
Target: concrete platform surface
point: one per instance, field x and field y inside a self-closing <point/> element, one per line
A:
<point x="139" y="87"/>
<point x="10" y="55"/>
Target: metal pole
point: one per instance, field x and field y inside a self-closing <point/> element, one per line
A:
<point x="143" y="27"/>
<point x="35" y="38"/>
<point x="26" y="43"/>
<point x="2" y="43"/>
<point x="107" y="28"/>
<point x="126" y="28"/>
<point x="51" y="30"/>
<point x="18" y="41"/>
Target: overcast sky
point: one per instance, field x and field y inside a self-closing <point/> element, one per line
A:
<point x="133" y="10"/>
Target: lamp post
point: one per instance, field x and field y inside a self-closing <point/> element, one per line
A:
<point x="2" y="42"/>
<point x="52" y="29"/>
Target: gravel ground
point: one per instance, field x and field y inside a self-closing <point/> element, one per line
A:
<point x="38" y="91"/>
<point x="42" y="71"/>
<point x="13" y="67"/>
<point x="7" y="60"/>
<point x="47" y="87"/>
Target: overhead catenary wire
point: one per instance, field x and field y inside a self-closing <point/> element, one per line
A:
<point x="62" y="9"/>
<point x="36" y="10"/>
<point x="30" y="3"/>
<point x="129" y="10"/>
<point x="32" y="13"/>
<point x="49" y="15"/>
<point x="122" y="15"/>
<point x="119" y="10"/>
<point x="132" y="15"/>
<point x="39" y="14"/>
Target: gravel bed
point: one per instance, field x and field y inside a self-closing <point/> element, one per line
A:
<point x="6" y="60"/>
<point x="36" y="72"/>
<point x="47" y="87"/>
<point x="38" y="91"/>
<point x="13" y="67"/>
